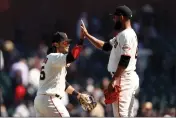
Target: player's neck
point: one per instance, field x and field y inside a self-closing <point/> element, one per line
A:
<point x="60" y="50"/>
<point x="127" y="25"/>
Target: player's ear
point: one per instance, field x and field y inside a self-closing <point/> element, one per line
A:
<point x="57" y="44"/>
<point x="121" y="18"/>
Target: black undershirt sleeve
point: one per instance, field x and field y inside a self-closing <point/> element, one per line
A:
<point x="70" y="57"/>
<point x="124" y="60"/>
<point x="66" y="85"/>
<point x="107" y="47"/>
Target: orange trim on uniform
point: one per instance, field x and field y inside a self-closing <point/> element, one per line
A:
<point x="118" y="100"/>
<point x="55" y="107"/>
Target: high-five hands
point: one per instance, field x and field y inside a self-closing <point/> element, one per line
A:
<point x="84" y="31"/>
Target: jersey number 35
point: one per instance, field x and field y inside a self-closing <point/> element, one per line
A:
<point x="42" y="73"/>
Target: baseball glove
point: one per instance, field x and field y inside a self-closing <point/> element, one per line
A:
<point x="87" y="102"/>
<point x="111" y="97"/>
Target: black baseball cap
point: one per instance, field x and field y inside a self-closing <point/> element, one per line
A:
<point x="123" y="10"/>
<point x="60" y="36"/>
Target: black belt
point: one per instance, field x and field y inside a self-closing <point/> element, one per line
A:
<point x="112" y="73"/>
<point x="58" y="96"/>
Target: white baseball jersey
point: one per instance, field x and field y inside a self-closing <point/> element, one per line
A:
<point x="52" y="76"/>
<point x="125" y="43"/>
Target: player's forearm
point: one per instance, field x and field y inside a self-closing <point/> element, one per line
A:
<point x="119" y="72"/>
<point x="70" y="90"/>
<point x="96" y="42"/>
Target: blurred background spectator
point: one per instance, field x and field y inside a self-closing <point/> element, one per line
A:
<point x="25" y="34"/>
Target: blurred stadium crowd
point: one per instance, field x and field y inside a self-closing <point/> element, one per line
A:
<point x="20" y="71"/>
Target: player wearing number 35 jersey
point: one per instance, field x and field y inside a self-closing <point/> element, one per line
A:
<point x="52" y="83"/>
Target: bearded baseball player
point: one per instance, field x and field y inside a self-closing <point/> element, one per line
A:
<point x="122" y="63"/>
<point x="53" y="84"/>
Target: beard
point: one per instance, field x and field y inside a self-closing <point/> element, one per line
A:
<point x="118" y="26"/>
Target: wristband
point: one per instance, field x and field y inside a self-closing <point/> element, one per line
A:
<point x="75" y="93"/>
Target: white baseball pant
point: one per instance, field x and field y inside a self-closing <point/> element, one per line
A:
<point x="124" y="106"/>
<point x="49" y="106"/>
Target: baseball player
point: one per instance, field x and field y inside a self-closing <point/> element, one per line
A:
<point x="52" y="84"/>
<point x="122" y="62"/>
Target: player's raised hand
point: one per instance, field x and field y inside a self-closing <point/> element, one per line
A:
<point x="82" y="36"/>
<point x="83" y="28"/>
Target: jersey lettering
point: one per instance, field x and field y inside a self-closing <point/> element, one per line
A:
<point x="42" y="73"/>
<point x="115" y="44"/>
<point x="136" y="52"/>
